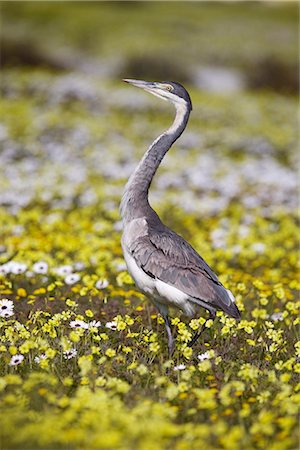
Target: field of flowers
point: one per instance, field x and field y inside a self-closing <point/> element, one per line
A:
<point x="83" y="354"/>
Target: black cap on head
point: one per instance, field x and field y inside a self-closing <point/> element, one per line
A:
<point x="180" y="91"/>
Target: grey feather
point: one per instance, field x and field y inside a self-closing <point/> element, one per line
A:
<point x="165" y="255"/>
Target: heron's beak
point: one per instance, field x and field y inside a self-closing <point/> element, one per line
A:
<point x="140" y="83"/>
<point x="154" y="87"/>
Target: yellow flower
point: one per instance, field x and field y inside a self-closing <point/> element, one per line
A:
<point x="187" y="352"/>
<point x="117" y="385"/>
<point x="74" y="336"/>
<point x="124" y="279"/>
<point x="126" y="349"/>
<point x="110" y="352"/>
<point x="50" y="353"/>
<point x="204" y="366"/>
<point x="263" y="396"/>
<point x="21" y="292"/>
<point x="27" y="346"/>
<point x="259" y="313"/>
<point x="154" y="347"/>
<point x="273" y="347"/>
<point x="225" y="330"/>
<point x="84" y="381"/>
<point x="100" y="381"/>
<point x="246" y="411"/>
<point x="184" y="335"/>
<point x="38" y="291"/>
<point x="172" y="391"/>
<point x="206" y="398"/>
<point x="13" y="350"/>
<point x="194" y="324"/>
<point x="285" y="377"/>
<point x="129" y="320"/>
<point x="121" y="325"/>
<point x="228" y="389"/>
<point x="264" y="424"/>
<point x="241" y="287"/>
<point x="279" y="291"/>
<point x="258" y="284"/>
<point x="103" y="336"/>
<point x="263" y="301"/>
<point x="249" y="372"/>
<point x="175" y="321"/>
<point x="209" y="323"/>
<point x="142" y="369"/>
<point x="71" y="303"/>
<point x="85" y="365"/>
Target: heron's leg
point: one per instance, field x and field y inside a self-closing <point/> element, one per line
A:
<point x="196" y="336"/>
<point x="169" y="334"/>
<point x="163" y="310"/>
<point x="212" y="315"/>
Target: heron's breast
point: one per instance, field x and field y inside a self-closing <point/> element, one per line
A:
<point x="143" y="281"/>
<point x="134" y="229"/>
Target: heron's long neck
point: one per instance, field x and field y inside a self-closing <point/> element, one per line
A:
<point x="135" y="198"/>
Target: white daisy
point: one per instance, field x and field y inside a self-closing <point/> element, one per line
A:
<point x="16" y="359"/>
<point x="258" y="247"/>
<point x="4" y="269"/>
<point x="95" y="323"/>
<point x="6" y="305"/>
<point x="120" y="267"/>
<point x="79" y="265"/>
<point x="29" y="274"/>
<point x="16" y="267"/>
<point x="6" y="308"/>
<point x="79" y="324"/>
<point x="180" y="367"/>
<point x="69" y="354"/>
<point x="38" y="359"/>
<point x="203" y="356"/>
<point x="63" y="270"/>
<point x="111" y="325"/>
<point x="40" y="267"/>
<point x="101" y="284"/>
<point x="277" y="316"/>
<point x="7" y="313"/>
<point x="18" y="230"/>
<point x="72" y="278"/>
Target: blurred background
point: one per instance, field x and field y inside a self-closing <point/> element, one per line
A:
<point x="72" y="132"/>
<point x="216" y="46"/>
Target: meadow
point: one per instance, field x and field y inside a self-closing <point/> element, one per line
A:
<point x="83" y="354"/>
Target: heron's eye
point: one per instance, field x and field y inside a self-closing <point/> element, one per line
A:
<point x="169" y="87"/>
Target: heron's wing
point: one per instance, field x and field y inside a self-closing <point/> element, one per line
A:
<point x="164" y="255"/>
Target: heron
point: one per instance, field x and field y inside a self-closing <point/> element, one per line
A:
<point x="163" y="265"/>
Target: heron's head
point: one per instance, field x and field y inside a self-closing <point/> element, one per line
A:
<point x="167" y="90"/>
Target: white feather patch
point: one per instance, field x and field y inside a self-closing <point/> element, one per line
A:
<point x="174" y="297"/>
<point x="162" y="292"/>
<point x="142" y="280"/>
<point x="231" y="296"/>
